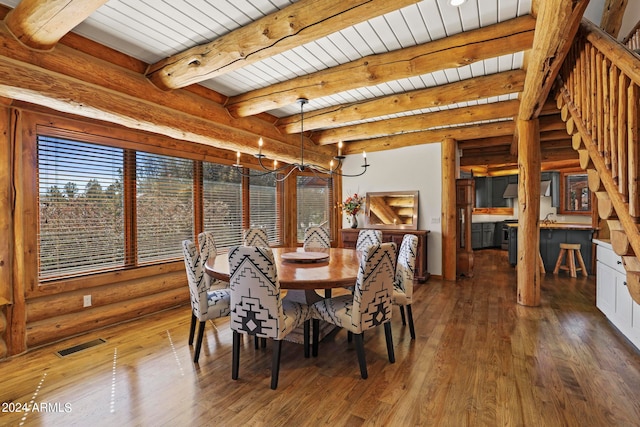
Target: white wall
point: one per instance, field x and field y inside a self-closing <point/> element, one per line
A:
<point x="404" y="169"/>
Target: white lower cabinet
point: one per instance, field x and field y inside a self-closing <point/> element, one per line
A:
<point x="612" y="295"/>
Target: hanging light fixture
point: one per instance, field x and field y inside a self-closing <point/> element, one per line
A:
<point x="283" y="172"/>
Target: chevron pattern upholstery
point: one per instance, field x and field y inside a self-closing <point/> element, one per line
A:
<point x="206" y="303"/>
<point x="256" y="305"/>
<point x="368" y="238"/>
<point x="255" y="237"/>
<point x="369" y="306"/>
<point x="316" y="238"/>
<point x="207" y="246"/>
<point x="403" y="283"/>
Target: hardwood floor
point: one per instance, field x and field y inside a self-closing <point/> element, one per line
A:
<point x="479" y="359"/>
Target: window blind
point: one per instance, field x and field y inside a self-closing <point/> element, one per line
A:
<point x="222" y="200"/>
<point x="81" y="219"/>
<point x="164" y="206"/>
<point x="314" y="201"/>
<point x="264" y="210"/>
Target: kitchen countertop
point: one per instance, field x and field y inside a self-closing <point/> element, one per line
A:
<point x="560" y="226"/>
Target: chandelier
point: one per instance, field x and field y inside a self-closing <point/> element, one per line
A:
<point x="283" y="172"/>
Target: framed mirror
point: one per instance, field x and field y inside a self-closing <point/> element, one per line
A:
<point x="392" y="209"/>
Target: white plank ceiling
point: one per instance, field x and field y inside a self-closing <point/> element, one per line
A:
<point x="151" y="30"/>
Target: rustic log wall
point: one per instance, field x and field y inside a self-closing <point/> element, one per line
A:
<point x="41" y="313"/>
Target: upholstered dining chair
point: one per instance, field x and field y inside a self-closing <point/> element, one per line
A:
<point x="368" y="238"/>
<point x="368" y="307"/>
<point x="208" y="249"/>
<point x="256" y="305"/>
<point x="206" y="303"/>
<point x="255" y="237"/>
<point x="316" y="238"/>
<point x="403" y="283"/>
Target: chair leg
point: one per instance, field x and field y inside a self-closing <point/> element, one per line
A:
<point x="196" y="354"/>
<point x="581" y="262"/>
<point x="256" y="342"/>
<point x="192" y="329"/>
<point x="404" y="321"/>
<point x="389" y="338"/>
<point x="307" y="326"/>
<point x="362" y="361"/>
<point x="412" y="330"/>
<point x="263" y="342"/>
<point x="275" y="364"/>
<point x="316" y="337"/>
<point x="349" y="336"/>
<point x="235" y="356"/>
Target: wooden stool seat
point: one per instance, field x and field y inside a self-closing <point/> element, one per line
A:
<point x="568" y="250"/>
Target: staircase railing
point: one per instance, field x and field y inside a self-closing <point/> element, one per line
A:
<point x="599" y="94"/>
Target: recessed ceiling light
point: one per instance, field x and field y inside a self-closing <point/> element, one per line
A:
<point x="456" y="2"/>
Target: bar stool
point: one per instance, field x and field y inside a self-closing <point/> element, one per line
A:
<point x="569" y="249"/>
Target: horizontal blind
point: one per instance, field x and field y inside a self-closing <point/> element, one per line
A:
<point x="222" y="201"/>
<point x="81" y="220"/>
<point x="164" y="206"/>
<point x="263" y="206"/>
<point x="314" y="201"/>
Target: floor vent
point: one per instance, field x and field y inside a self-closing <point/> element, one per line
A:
<point x="80" y="347"/>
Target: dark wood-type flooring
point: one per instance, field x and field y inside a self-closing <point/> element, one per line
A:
<point x="479" y="359"/>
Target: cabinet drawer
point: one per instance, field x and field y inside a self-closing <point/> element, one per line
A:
<point x="608" y="257"/>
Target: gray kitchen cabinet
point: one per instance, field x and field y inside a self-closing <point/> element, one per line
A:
<point x="483" y="235"/>
<point x="476" y="235"/>
<point x="550" y="239"/>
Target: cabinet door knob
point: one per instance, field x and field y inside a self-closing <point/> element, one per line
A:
<point x="625" y="283"/>
<point x="619" y="262"/>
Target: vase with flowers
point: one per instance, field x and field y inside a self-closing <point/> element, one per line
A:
<point x="351" y="206"/>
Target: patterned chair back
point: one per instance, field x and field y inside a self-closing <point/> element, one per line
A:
<point x="255" y="237"/>
<point x="368" y="238"/>
<point x="207" y="247"/>
<point x="256" y="306"/>
<point x="316" y="237"/>
<point x="197" y="278"/>
<point x="374" y="286"/>
<point x="207" y="244"/>
<point x="406" y="267"/>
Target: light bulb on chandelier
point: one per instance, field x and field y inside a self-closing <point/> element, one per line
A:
<point x="283" y="172"/>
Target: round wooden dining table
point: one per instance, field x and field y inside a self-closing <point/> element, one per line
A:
<point x="300" y="273"/>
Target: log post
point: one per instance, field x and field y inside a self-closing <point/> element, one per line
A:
<point x="449" y="209"/>
<point x="6" y="221"/>
<point x="528" y="212"/>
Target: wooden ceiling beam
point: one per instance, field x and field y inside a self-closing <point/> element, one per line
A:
<point x="430" y="136"/>
<point x="461" y="49"/>
<point x="454" y="116"/>
<point x="196" y="100"/>
<point x="463" y="91"/>
<point x="29" y="83"/>
<point x="294" y="25"/>
<point x="485" y="142"/>
<point x="555" y="155"/>
<point x="40" y="24"/>
<point x="557" y="23"/>
<point x="612" y="16"/>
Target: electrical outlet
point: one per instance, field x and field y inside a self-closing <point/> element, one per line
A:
<point x="87" y="301"/>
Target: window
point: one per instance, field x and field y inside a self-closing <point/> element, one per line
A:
<point x="222" y="203"/>
<point x="264" y="209"/>
<point x="104" y="208"/>
<point x="314" y="198"/>
<point x="80" y="207"/>
<point x="164" y="206"/>
<point x="576" y="197"/>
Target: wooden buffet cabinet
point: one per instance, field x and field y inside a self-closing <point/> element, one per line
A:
<point x="349" y="236"/>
